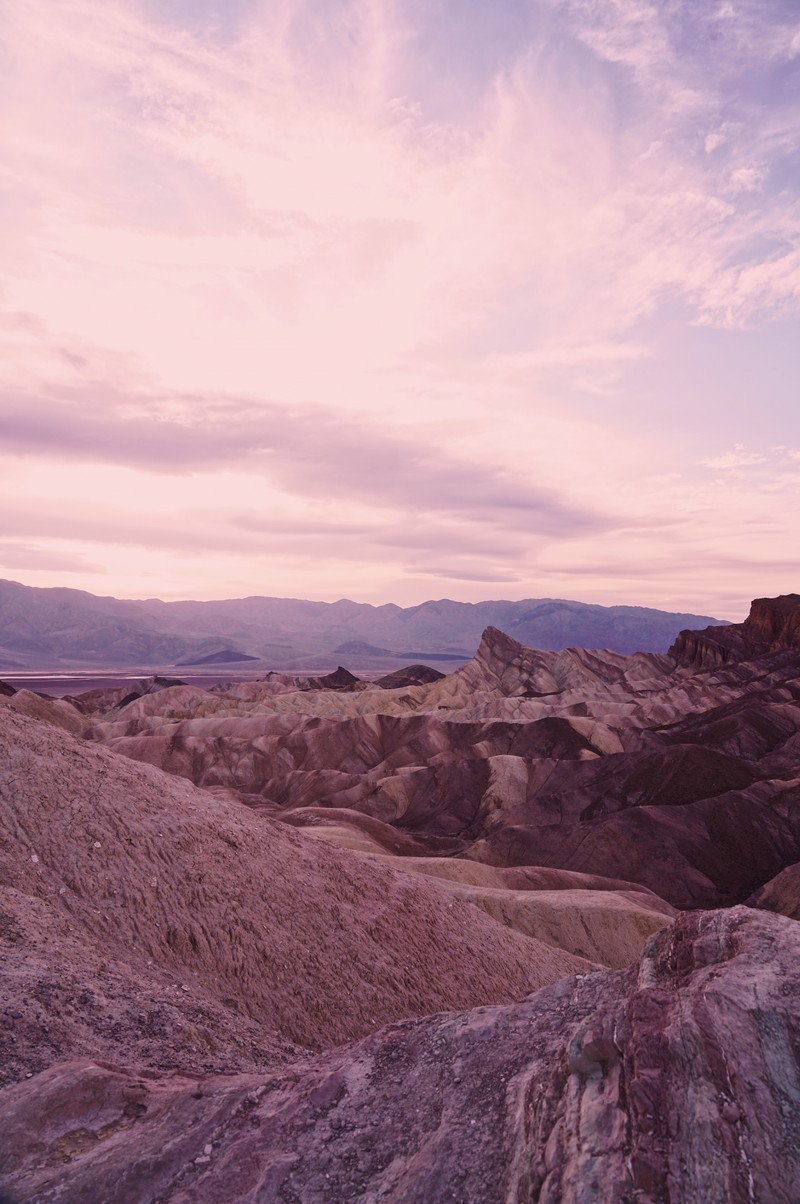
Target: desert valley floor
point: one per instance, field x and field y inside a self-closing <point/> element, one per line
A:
<point x="526" y="931"/>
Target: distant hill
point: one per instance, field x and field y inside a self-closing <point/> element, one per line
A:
<point x="52" y="628"/>
<point x="225" y="656"/>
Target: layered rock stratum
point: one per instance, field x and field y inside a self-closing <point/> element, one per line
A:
<point x="684" y="780"/>
<point x="522" y="932"/>
<point x="773" y="625"/>
<point x="676" y="1080"/>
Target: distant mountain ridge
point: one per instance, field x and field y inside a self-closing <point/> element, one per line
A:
<point x="60" y="627"/>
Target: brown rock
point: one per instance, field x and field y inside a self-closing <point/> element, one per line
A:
<point x="676" y="1081"/>
<point x="773" y="625"/>
<point x="112" y="867"/>
<point x="410" y="675"/>
<point x="780" y="894"/>
<point x="683" y="780"/>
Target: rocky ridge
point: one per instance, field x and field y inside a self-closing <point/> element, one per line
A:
<point x="623" y="767"/>
<point x="773" y="625"/>
<point x="213" y="906"/>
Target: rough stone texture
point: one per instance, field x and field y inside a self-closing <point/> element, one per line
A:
<point x="773" y="625"/>
<point x="410" y="675"/>
<point x="781" y="893"/>
<point x="53" y="711"/>
<point x="64" y="994"/>
<point x="672" y="1083"/>
<point x="112" y="873"/>
<point x="684" y="780"/>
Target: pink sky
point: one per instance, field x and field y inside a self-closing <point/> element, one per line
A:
<point x="396" y="301"/>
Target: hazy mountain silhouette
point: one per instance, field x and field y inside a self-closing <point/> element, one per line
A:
<point x="48" y="628"/>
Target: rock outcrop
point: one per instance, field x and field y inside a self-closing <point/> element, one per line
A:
<point x="56" y="711"/>
<point x="773" y="625"/>
<point x="410" y="675"/>
<point x="676" y="1081"/>
<point x="684" y="780"/>
<point x="780" y="894"/>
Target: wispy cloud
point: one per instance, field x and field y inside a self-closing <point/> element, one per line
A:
<point x="740" y="457"/>
<point x="14" y="556"/>
<point x="767" y="463"/>
<point x="258" y="254"/>
<point x="308" y="452"/>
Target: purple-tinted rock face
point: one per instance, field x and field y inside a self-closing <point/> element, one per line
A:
<point x="773" y="625"/>
<point x="676" y="1082"/>
<point x="681" y="779"/>
<point x="781" y="893"/>
<point x="228" y="981"/>
<point x="409" y="675"/>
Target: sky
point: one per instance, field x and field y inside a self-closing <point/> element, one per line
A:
<point x="402" y="299"/>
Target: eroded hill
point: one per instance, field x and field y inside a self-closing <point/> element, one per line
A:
<point x="206" y="897"/>
<point x="684" y="780"/>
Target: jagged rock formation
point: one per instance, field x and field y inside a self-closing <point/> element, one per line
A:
<point x="773" y="625"/>
<point x="635" y="768"/>
<point x="410" y="675"/>
<point x="674" y="1081"/>
<point x="340" y="679"/>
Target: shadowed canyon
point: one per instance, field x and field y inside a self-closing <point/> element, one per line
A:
<point x="524" y="931"/>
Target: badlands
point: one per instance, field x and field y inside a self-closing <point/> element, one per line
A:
<point x="523" y="932"/>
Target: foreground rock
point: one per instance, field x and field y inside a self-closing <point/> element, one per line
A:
<point x="675" y="1081"/>
<point x="55" y="711"/>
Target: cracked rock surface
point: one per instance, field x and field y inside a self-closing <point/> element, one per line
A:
<point x="674" y="1081"/>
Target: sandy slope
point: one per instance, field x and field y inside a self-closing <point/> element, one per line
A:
<point x="171" y="885"/>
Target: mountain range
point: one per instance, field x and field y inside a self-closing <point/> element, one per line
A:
<point x="60" y="628"/>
